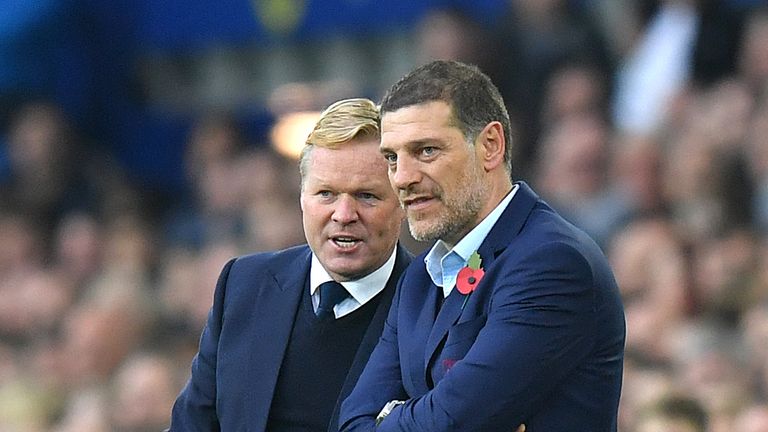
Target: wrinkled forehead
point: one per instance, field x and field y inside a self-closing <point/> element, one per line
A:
<point x="432" y="121"/>
<point x="436" y="110"/>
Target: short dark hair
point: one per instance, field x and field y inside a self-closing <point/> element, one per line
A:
<point x="474" y="99"/>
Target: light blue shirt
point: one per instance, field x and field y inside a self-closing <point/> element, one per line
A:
<point x="444" y="264"/>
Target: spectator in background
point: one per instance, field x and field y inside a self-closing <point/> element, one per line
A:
<point x="144" y="387"/>
<point x="657" y="69"/>
<point x="724" y="274"/>
<point x="78" y="249"/>
<point x="573" y="171"/>
<point x="23" y="245"/>
<point x="673" y="414"/>
<point x="685" y="44"/>
<point x="753" y="419"/>
<point x="450" y="34"/>
<point x="708" y="181"/>
<point x="114" y="313"/>
<point x="86" y="410"/>
<point x="290" y="331"/>
<point x="33" y="39"/>
<point x="756" y="154"/>
<point x="53" y="172"/>
<point x="234" y="188"/>
<point x="753" y="70"/>
<point x="44" y="181"/>
<point x="270" y="194"/>
<point x="754" y="330"/>
<point x="533" y="39"/>
<point x="637" y="172"/>
<point x="752" y="60"/>
<point x="574" y="88"/>
<point x="650" y="264"/>
<point x="185" y="294"/>
<point x="212" y="207"/>
<point x="649" y="381"/>
<point x="710" y="369"/>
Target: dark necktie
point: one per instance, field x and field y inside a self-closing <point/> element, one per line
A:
<point x="331" y="294"/>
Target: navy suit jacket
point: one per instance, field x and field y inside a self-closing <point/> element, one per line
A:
<point x="242" y="346"/>
<point x="540" y="341"/>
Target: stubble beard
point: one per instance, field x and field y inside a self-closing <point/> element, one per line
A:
<point x="458" y="215"/>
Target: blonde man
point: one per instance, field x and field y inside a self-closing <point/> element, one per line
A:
<point x="290" y="331"/>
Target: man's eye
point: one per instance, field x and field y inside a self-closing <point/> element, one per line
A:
<point x="428" y="151"/>
<point x="391" y="158"/>
<point x="367" y="196"/>
<point x="324" y="194"/>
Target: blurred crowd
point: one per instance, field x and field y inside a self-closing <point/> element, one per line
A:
<point x="643" y="122"/>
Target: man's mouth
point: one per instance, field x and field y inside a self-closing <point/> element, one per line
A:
<point x="345" y="242"/>
<point x="416" y="203"/>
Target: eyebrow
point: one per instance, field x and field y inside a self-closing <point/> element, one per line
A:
<point x="412" y="144"/>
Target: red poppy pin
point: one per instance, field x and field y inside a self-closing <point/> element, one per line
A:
<point x="470" y="276"/>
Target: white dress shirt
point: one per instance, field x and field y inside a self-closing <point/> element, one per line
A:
<point x="361" y="290"/>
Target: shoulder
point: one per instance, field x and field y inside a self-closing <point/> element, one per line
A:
<point x="550" y="245"/>
<point x="403" y="258"/>
<point x="415" y="270"/>
<point x="273" y="264"/>
<point x="247" y="275"/>
<point x="272" y="259"/>
<point x="549" y="230"/>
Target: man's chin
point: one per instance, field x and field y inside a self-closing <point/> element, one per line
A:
<point x="422" y="233"/>
<point x="346" y="267"/>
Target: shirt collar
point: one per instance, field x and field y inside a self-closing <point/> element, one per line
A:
<point x="363" y="289"/>
<point x="443" y="264"/>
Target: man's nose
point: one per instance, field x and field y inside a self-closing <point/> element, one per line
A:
<point x="345" y="211"/>
<point x="405" y="174"/>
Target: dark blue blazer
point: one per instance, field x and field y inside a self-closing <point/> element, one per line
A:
<point x="242" y="346"/>
<point x="540" y="341"/>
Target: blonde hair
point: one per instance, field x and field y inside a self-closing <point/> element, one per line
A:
<point x="340" y="123"/>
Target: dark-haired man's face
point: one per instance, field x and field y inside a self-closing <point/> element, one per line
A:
<point x="436" y="172"/>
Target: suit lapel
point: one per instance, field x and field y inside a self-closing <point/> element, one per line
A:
<point x="372" y="334"/>
<point x="447" y="316"/>
<point x="509" y="224"/>
<point x="504" y="230"/>
<point x="278" y="299"/>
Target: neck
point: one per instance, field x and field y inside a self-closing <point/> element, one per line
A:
<point x="498" y="188"/>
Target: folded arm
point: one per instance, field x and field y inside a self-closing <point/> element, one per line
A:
<point x="380" y="382"/>
<point x="539" y="326"/>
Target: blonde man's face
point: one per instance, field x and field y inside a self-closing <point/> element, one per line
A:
<point x="350" y="213"/>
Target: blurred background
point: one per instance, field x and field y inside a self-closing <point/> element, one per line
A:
<point x="144" y="143"/>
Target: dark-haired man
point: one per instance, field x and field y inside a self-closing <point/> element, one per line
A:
<point x="513" y="317"/>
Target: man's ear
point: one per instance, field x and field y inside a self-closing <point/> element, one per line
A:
<point x="491" y="146"/>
